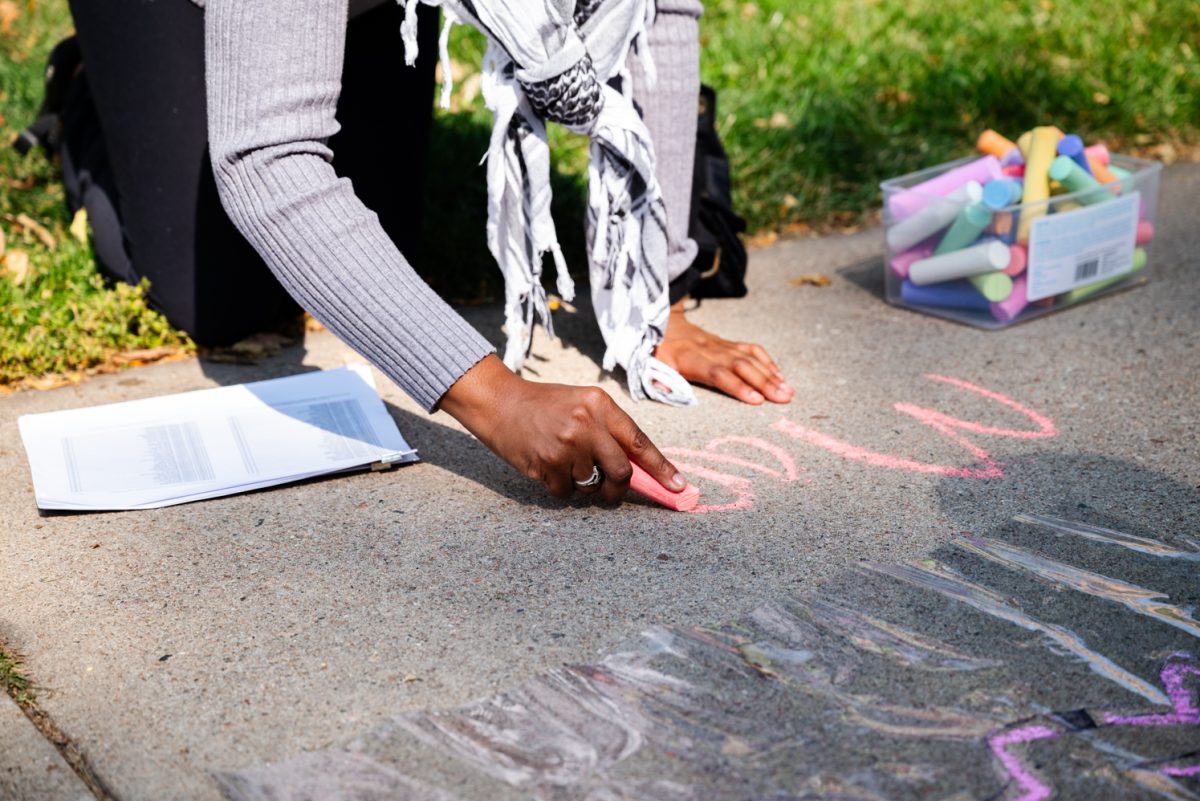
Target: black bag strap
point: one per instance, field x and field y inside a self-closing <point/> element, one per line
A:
<point x="64" y="63"/>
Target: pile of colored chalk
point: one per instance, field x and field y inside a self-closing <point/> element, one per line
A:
<point x="960" y="239"/>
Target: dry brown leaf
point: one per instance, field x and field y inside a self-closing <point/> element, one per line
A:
<point x="36" y="228"/>
<point x="21" y="183"/>
<point x="3" y="243"/>
<point x="79" y="226"/>
<point x="797" y="229"/>
<point x="779" y="120"/>
<point x="811" y="279"/>
<point x="16" y="266"/>
<point x="144" y="355"/>
<point x="251" y="350"/>
<point x="763" y="239"/>
<point x="9" y="13"/>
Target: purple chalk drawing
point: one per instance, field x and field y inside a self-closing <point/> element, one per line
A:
<point x="1185" y="712"/>
<point x="1032" y="788"/>
<point x="1187" y="770"/>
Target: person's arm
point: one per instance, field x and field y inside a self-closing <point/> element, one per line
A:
<point x="274" y="74"/>
<point x="739" y="369"/>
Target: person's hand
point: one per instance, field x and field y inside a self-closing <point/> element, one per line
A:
<point x="554" y="433"/>
<point x="739" y="369"/>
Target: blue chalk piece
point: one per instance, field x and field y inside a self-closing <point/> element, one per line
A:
<point x="1002" y="192"/>
<point x="946" y="295"/>
<point x="997" y="194"/>
<point x="1072" y="147"/>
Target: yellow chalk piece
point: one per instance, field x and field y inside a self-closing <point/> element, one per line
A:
<point x="1043" y="149"/>
<point x="1026" y="140"/>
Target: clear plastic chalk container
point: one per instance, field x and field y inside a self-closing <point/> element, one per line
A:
<point x="993" y="241"/>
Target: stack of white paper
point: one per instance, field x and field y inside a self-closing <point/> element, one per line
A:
<point x="179" y="448"/>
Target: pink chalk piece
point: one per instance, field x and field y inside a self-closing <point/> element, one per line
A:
<point x="903" y="261"/>
<point x="1018" y="258"/>
<point x="1013" y="171"/>
<point x="908" y="202"/>
<point x="1007" y="310"/>
<point x="645" y="485"/>
<point x="1097" y="152"/>
<point x="1145" y="232"/>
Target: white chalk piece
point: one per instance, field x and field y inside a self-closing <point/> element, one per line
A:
<point x="939" y="214"/>
<point x="977" y="260"/>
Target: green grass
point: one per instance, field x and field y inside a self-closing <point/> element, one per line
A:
<point x="818" y="102"/>
<point x="13" y="680"/>
<point x="868" y="90"/>
<point x="62" y="316"/>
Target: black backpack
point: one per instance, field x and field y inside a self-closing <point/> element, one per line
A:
<point x="719" y="270"/>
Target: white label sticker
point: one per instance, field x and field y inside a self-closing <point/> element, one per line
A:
<point x="1082" y="246"/>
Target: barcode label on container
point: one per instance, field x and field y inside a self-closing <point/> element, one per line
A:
<point x="1087" y="269"/>
<point x="1075" y="248"/>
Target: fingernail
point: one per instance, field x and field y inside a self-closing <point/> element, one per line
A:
<point x="678" y="480"/>
<point x="754" y="397"/>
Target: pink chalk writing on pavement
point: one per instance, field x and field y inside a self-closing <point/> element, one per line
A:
<point x="741" y="487"/>
<point x="785" y="468"/>
<point x="942" y="423"/>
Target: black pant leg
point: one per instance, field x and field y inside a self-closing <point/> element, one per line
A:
<point x="145" y="67"/>
<point x="386" y="112"/>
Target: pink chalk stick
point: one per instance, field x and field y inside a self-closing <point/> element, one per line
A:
<point x="910" y="201"/>
<point x="645" y="485"/>
<point x="1145" y="232"/>
<point x="1097" y="152"/>
<point x="1016" y="263"/>
<point x="1014" y="304"/>
<point x="1013" y="171"/>
<point x="903" y="261"/>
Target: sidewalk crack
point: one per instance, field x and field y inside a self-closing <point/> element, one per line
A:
<point x="22" y="690"/>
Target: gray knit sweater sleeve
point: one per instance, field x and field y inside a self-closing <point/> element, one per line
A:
<point x="273" y="78"/>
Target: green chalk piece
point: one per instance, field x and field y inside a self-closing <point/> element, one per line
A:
<point x="967" y="227"/>
<point x="1083" y="292"/>
<point x="993" y="286"/>
<point x="1074" y="179"/>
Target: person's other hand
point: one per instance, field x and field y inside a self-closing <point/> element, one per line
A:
<point x="739" y="369"/>
<point x="554" y="433"/>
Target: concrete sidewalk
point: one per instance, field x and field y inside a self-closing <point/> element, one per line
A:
<point x="328" y="640"/>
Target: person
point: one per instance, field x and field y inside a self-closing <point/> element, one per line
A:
<point x="284" y="112"/>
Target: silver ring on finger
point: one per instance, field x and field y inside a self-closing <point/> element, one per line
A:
<point x="595" y="478"/>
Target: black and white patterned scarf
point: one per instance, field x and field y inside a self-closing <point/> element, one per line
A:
<point x="553" y="60"/>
